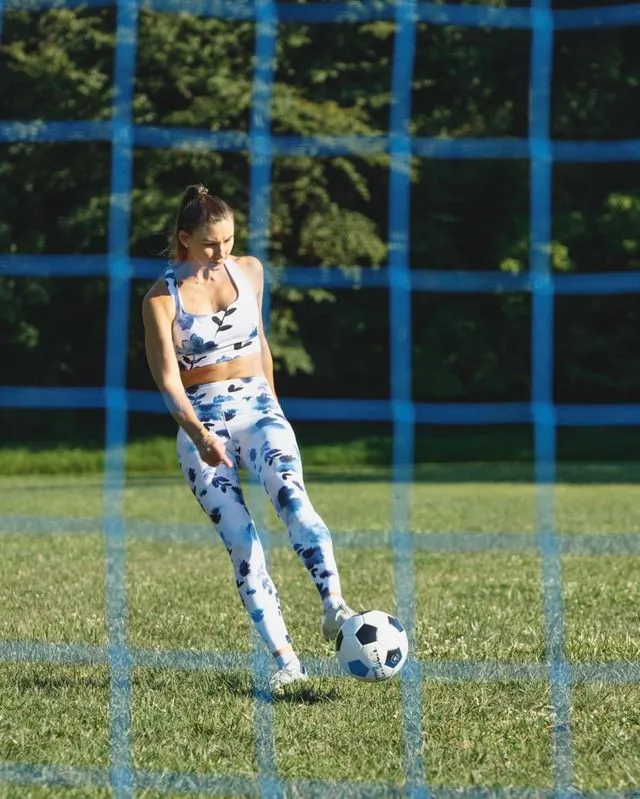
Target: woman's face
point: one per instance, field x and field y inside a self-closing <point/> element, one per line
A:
<point x="210" y="244"/>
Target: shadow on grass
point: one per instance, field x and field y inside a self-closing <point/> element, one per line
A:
<point x="306" y="694"/>
<point x="242" y="684"/>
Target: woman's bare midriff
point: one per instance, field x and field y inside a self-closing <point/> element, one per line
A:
<point x="246" y="366"/>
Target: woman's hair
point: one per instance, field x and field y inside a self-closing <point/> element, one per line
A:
<point x="197" y="208"/>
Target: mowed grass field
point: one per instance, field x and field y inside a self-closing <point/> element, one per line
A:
<point x="477" y="605"/>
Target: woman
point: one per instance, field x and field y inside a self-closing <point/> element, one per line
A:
<point x="209" y="357"/>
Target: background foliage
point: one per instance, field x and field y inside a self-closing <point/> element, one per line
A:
<point x="196" y="73"/>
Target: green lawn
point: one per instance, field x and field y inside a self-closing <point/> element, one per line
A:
<point x="469" y="606"/>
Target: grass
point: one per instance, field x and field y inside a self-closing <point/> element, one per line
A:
<point x="363" y="742"/>
<point x="607" y="736"/>
<point x="52" y="589"/>
<point x="478" y="606"/>
<point x="470" y="606"/>
<point x="54" y="715"/>
<point x="602" y="597"/>
<point x="188" y="722"/>
<point x="493" y="734"/>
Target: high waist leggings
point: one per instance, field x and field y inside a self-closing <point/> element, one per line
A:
<point x="246" y="415"/>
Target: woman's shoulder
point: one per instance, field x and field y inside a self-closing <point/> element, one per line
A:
<point x="252" y="269"/>
<point x="249" y="264"/>
<point x="158" y="293"/>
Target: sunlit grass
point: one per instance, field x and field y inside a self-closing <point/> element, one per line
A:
<point x="470" y="606"/>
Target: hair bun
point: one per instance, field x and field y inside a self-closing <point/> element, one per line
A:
<point x="203" y="189"/>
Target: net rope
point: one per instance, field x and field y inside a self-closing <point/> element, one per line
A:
<point x="400" y="281"/>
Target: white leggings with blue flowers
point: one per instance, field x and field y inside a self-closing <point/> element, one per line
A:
<point x="247" y="416"/>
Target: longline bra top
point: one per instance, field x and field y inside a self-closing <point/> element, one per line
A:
<point x="205" y="339"/>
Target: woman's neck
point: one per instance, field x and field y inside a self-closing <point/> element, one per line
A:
<point x="199" y="273"/>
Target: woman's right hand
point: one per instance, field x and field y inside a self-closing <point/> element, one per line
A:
<point x="213" y="451"/>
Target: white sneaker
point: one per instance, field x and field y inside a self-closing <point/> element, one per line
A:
<point x="292" y="672"/>
<point x="333" y="620"/>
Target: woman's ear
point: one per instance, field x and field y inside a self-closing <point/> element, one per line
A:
<point x="183" y="238"/>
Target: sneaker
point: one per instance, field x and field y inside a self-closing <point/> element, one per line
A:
<point x="333" y="620"/>
<point x="292" y="672"/>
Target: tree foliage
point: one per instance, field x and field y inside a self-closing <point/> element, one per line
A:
<point x="330" y="79"/>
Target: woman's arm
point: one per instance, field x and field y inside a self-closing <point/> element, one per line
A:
<point x="255" y="272"/>
<point x="267" y="361"/>
<point x="157" y="315"/>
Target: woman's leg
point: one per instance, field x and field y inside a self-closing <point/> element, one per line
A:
<point x="219" y="493"/>
<point x="269" y="448"/>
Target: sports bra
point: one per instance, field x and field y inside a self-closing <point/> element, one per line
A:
<point x="205" y="339"/>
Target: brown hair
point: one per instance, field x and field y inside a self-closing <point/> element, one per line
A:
<point x="197" y="208"/>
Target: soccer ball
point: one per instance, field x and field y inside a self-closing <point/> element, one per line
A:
<point x="372" y="646"/>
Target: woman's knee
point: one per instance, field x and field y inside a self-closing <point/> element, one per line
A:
<point x="245" y="549"/>
<point x="294" y="507"/>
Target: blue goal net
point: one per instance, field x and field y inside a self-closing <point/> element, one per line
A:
<point x="400" y="281"/>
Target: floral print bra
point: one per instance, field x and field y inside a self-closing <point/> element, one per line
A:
<point x="205" y="339"/>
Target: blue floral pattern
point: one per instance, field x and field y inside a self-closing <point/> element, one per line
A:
<point x="204" y="339"/>
<point x="258" y="437"/>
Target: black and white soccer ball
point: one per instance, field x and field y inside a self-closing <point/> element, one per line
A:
<point x="372" y="646"/>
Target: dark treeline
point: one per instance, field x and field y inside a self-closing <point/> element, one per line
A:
<point x="330" y="79"/>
